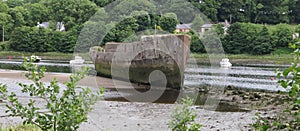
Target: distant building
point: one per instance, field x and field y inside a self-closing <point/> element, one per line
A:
<point x="204" y="28"/>
<point x="295" y="36"/>
<point x="59" y="26"/>
<point x="43" y="24"/>
<point x="183" y="28"/>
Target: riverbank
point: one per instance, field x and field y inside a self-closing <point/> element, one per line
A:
<point x="251" y="59"/>
<point x="45" y="55"/>
<point x="115" y="115"/>
<point x="267" y="59"/>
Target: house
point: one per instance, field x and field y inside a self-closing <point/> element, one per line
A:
<point x="204" y="28"/>
<point x="59" y="25"/>
<point x="295" y="36"/>
<point x="43" y="24"/>
<point x="183" y="28"/>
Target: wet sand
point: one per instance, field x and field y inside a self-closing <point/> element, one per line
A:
<point x="115" y="116"/>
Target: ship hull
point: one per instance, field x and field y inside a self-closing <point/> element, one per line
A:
<point x="135" y="62"/>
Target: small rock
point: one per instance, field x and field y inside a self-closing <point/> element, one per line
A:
<point x="230" y="87"/>
<point x="202" y="90"/>
<point x="241" y="92"/>
<point x="295" y="108"/>
<point x="234" y="98"/>
<point x="251" y="98"/>
<point x="245" y="97"/>
<point x="256" y="95"/>
<point x="235" y="92"/>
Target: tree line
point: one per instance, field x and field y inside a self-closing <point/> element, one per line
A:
<point x="254" y="11"/>
<point x="19" y="18"/>
<point x="249" y="38"/>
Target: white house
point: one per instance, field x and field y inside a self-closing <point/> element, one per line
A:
<point x="59" y="26"/>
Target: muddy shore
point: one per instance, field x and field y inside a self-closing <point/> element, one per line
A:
<point x="114" y="115"/>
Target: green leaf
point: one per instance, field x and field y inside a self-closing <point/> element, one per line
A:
<point x="286" y="72"/>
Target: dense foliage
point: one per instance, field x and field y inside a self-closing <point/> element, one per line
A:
<point x="65" y="108"/>
<point x="289" y="119"/>
<point x="19" y="18"/>
<point x="255" y="11"/>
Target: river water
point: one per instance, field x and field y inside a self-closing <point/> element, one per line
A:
<point x="248" y="76"/>
<point x="244" y="76"/>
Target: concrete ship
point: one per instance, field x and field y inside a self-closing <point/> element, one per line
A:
<point x="137" y="60"/>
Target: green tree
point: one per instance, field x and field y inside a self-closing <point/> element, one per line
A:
<point x="17" y="16"/>
<point x="121" y="30"/>
<point x="235" y="42"/>
<point x="14" y="12"/>
<point x="142" y="19"/>
<point x="3" y="7"/>
<point x="292" y="4"/>
<point x="71" y="12"/>
<point x="30" y="39"/>
<point x="263" y="43"/>
<point x="240" y="37"/>
<point x="196" y="44"/>
<point x="283" y="35"/>
<point x="232" y="10"/>
<point x="209" y="8"/>
<point x="168" y="24"/>
<point x="297" y="30"/>
<point x="197" y="23"/>
<point x="91" y="35"/>
<point x="14" y="3"/>
<point x="6" y="23"/>
<point x="123" y="9"/>
<point x="296" y="12"/>
<point x="273" y="12"/>
<point x="37" y="13"/>
<point x="182" y="8"/>
<point x="219" y="28"/>
<point x="102" y="3"/>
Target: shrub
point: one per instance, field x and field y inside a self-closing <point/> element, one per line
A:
<point x="64" y="110"/>
<point x="183" y="118"/>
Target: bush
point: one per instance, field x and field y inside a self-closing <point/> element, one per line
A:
<point x="64" y="110"/>
<point x="183" y="118"/>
